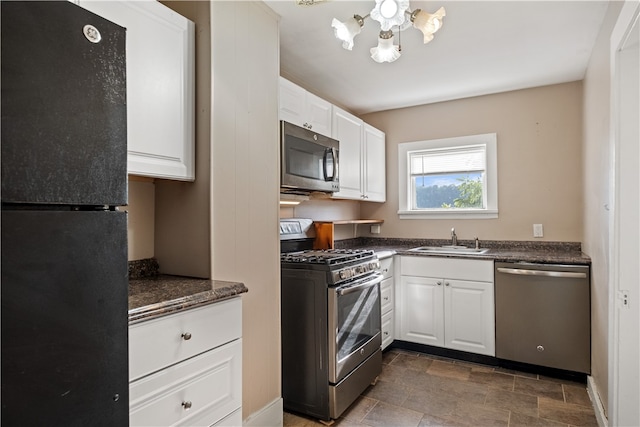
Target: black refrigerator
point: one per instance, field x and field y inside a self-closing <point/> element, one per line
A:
<point x="64" y="242"/>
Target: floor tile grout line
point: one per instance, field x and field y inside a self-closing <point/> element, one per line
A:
<point x="370" y="409"/>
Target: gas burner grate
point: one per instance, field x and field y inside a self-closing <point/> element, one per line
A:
<point x="328" y="257"/>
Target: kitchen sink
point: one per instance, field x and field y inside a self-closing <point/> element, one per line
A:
<point x="450" y="250"/>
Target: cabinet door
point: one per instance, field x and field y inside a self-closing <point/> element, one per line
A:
<point x="375" y="178"/>
<point x="292" y="103"/>
<point x="421" y="310"/>
<point x="469" y="316"/>
<point x="304" y="109"/>
<point x="318" y="114"/>
<point x="160" y="86"/>
<point x="347" y="129"/>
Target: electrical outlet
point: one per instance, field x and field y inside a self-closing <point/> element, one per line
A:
<point x="375" y="229"/>
<point x="537" y="230"/>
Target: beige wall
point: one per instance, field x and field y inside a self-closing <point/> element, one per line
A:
<point x="245" y="184"/>
<point x="182" y="226"/>
<point x="140" y="221"/>
<point x="597" y="189"/>
<point x="539" y="162"/>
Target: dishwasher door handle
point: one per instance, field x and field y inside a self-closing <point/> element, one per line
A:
<point x="544" y="273"/>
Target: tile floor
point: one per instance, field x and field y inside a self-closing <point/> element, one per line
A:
<point x="415" y="389"/>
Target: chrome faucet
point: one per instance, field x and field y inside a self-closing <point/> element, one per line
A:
<point x="454" y="238"/>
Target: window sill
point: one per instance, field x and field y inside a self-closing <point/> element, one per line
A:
<point x="470" y="214"/>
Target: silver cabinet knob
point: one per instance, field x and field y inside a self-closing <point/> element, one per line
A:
<point x="386" y="334"/>
<point x="540" y="348"/>
<point x="446" y="283"/>
<point x="187" y="405"/>
<point x="386" y="298"/>
<point x="186" y="336"/>
<point x="439" y="283"/>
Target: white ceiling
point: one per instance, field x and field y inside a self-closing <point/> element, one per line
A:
<point x="483" y="47"/>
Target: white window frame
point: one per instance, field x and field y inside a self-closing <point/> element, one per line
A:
<point x="489" y="140"/>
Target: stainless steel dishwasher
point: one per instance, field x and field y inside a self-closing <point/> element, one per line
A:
<point x="543" y="315"/>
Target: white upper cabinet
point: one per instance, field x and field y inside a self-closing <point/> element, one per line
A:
<point x="362" y="158"/>
<point x="347" y="129"/>
<point x="160" y="86"/>
<point x="304" y="109"/>
<point x="374" y="156"/>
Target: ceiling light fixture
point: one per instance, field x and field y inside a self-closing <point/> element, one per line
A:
<point x="390" y="14"/>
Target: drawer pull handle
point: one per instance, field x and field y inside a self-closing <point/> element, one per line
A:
<point x="187" y="405"/>
<point x="186" y="336"/>
<point x="386" y="298"/>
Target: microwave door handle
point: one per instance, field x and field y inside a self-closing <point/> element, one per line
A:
<point x="334" y="162"/>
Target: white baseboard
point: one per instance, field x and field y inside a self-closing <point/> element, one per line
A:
<point x="270" y="415"/>
<point x="594" y="394"/>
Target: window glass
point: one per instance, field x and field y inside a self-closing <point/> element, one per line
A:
<point x="448" y="177"/>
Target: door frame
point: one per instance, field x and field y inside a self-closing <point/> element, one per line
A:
<point x="624" y="290"/>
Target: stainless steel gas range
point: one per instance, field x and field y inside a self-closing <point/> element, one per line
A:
<point x="330" y="329"/>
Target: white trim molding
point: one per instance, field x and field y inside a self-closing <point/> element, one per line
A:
<point x="270" y="415"/>
<point x="596" y="402"/>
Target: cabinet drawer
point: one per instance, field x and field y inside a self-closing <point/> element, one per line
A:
<point x="386" y="267"/>
<point x="162" y="342"/>
<point x="387" y="329"/>
<point x="210" y="384"/>
<point x="450" y="268"/>
<point x="386" y="295"/>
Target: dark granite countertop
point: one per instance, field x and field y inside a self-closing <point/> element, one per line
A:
<point x="159" y="295"/>
<point x="504" y="251"/>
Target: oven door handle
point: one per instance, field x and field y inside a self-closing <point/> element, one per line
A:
<point x="377" y="278"/>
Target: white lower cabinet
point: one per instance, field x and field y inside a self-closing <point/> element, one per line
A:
<point x="189" y="368"/>
<point x="447" y="302"/>
<point x="231" y="420"/>
<point x="387" y="293"/>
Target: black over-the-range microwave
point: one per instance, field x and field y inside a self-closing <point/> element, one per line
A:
<point x="309" y="161"/>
